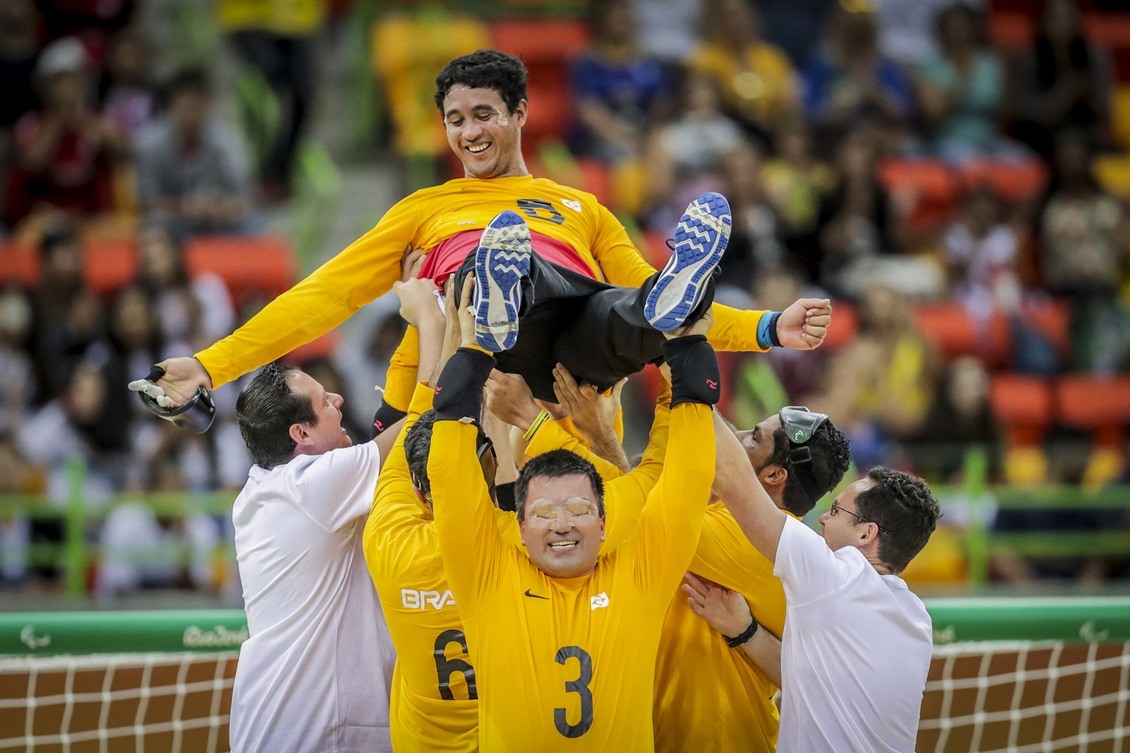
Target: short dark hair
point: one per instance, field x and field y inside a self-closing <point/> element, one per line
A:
<point x="831" y="455"/>
<point x="485" y="69"/>
<point x="417" y="445"/>
<point x="266" y="410"/>
<point x="556" y="464"/>
<point x="904" y="509"/>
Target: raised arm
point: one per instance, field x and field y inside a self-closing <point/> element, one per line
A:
<point x="736" y="483"/>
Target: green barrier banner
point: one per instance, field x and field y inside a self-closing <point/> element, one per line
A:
<point x="1071" y="619"/>
<point x="47" y="633"/>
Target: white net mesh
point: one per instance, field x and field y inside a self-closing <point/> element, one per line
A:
<point x="104" y="703"/>
<point x="1027" y="697"/>
<point x="1020" y="697"/>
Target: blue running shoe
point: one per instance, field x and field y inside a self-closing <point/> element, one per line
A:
<point x="501" y="261"/>
<point x="700" y="240"/>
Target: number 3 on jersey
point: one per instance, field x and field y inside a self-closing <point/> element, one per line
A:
<point x="580" y="686"/>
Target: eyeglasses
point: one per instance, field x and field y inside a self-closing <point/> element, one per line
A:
<point x="836" y="508"/>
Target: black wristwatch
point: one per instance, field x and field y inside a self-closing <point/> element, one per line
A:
<point x="745" y="636"/>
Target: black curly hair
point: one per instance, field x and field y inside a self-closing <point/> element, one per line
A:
<point x="905" y="510"/>
<point x="485" y="69"/>
<point x="831" y="455"/>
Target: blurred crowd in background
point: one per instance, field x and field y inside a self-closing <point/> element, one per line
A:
<point x="954" y="175"/>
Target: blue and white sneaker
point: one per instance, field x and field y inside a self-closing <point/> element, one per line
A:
<point x="502" y="260"/>
<point x="700" y="240"/>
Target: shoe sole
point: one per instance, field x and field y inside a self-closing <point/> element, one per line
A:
<point x="700" y="240"/>
<point x="502" y="260"/>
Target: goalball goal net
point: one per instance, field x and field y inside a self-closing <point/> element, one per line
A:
<point x="1017" y="675"/>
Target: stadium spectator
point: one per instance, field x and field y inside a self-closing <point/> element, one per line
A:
<point x="620" y="94"/>
<point x="756" y="80"/>
<point x="1083" y="234"/>
<point x="857" y="642"/>
<point x="608" y="661"/>
<point x="18" y="385"/>
<point x="789" y="25"/>
<point x="304" y="503"/>
<point x="907" y="28"/>
<point x="128" y="95"/>
<point x="193" y="311"/>
<point x="193" y="173"/>
<point x="796" y="181"/>
<point x="685" y="157"/>
<point x="17" y="476"/>
<point x="144" y="548"/>
<point x="756" y="236"/>
<point x="1064" y="81"/>
<point x="881" y="383"/>
<point x="277" y="39"/>
<point x="981" y="256"/>
<point x="65" y="148"/>
<point x="856" y="221"/>
<point x="19" y="55"/>
<point x="669" y="30"/>
<point x="849" y="80"/>
<point x="961" y="90"/>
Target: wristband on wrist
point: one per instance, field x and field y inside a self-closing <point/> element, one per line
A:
<point x="767" y="330"/>
<point x="745" y="636"/>
<point x="541" y="419"/>
<point x="459" y="389"/>
<point x="694" y="370"/>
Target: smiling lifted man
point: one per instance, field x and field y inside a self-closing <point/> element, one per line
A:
<point x="482" y="100"/>
<point x="565" y="637"/>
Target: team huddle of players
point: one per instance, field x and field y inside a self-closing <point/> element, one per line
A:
<point x="557" y="623"/>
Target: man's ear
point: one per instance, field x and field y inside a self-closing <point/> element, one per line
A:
<point x="520" y="113"/>
<point x="773" y="476"/>
<point x="299" y="434"/>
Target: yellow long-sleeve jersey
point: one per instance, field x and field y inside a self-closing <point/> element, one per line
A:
<point x="708" y="697"/>
<point x="367" y="268"/>
<point x="568" y="664"/>
<point x="434" y="693"/>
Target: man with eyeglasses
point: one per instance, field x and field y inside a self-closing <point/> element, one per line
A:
<point x="564" y="636"/>
<point x="857" y="643"/>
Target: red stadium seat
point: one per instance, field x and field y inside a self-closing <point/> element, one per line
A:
<point x="953" y="332"/>
<point x="247" y="264"/>
<point x="1051" y="319"/>
<point x="322" y="347"/>
<point x="1100" y="405"/>
<point x="19" y="265"/>
<point x="1023" y="405"/>
<point x="1013" y="181"/>
<point x="109" y="265"/>
<point x="655" y="249"/>
<point x="545" y="46"/>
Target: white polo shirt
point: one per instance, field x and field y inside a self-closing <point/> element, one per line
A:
<point x="855" y="652"/>
<point x="314" y="676"/>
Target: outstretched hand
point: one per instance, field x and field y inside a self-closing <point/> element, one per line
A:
<point x="590" y="411"/>
<point x="418" y="301"/>
<point x="508" y="397"/>
<point x="804" y="324"/>
<point x="182" y="378"/>
<point x="724" y="610"/>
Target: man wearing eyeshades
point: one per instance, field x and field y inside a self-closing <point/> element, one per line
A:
<point x="564" y="636"/>
<point x="856" y="647"/>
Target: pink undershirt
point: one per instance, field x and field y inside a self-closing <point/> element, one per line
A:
<point x="448" y="256"/>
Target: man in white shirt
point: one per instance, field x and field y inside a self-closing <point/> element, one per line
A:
<point x="314" y="676"/>
<point x="857" y="643"/>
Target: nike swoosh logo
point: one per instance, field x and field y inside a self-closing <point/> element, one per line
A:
<point x="535" y="596"/>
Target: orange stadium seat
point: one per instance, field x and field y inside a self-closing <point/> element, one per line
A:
<point x="655" y="249"/>
<point x="247" y="264"/>
<point x="19" y="265"/>
<point x="1052" y="319"/>
<point x="931" y="186"/>
<point x="109" y="265"/>
<point x="845" y="323"/>
<point x="1023" y="405"/>
<point x="1012" y="181"/>
<point x="1100" y="405"/>
<point x="321" y="347"/>
<point x="545" y="46"/>
<point x="953" y="332"/>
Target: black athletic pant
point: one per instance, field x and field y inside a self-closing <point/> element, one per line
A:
<point x="596" y="330"/>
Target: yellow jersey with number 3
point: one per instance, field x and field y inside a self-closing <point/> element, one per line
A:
<point x="568" y="664"/>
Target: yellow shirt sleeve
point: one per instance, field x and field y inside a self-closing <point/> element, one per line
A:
<point x="667" y="534"/>
<point x="365" y="270"/>
<point x="469" y="540"/>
